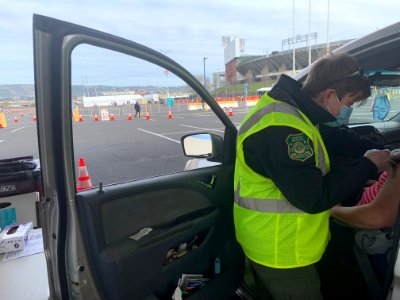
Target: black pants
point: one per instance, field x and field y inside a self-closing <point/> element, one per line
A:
<point x="137" y="113"/>
<point x="284" y="284"/>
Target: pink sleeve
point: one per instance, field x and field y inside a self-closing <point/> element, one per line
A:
<point x="371" y="192"/>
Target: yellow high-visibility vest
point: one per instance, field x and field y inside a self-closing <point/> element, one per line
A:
<point x="271" y="231"/>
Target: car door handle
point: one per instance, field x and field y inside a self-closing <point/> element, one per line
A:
<point x="210" y="183"/>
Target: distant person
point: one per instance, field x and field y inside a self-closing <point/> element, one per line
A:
<point x="137" y="109"/>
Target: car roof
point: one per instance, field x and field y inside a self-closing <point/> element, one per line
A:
<point x="375" y="51"/>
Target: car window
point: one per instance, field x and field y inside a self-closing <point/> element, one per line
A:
<point x="381" y="106"/>
<point x="118" y="143"/>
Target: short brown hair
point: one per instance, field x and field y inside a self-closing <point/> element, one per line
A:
<point x="332" y="71"/>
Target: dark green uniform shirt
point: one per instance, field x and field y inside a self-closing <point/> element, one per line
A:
<point x="268" y="153"/>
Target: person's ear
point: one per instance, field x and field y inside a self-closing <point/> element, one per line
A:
<point x="328" y="93"/>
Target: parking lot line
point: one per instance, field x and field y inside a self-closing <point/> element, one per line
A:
<point x="201" y="128"/>
<point x="159" y="135"/>
<point x="18" y="129"/>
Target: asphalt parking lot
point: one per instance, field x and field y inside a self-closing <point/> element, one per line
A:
<point x="123" y="150"/>
<point x="120" y="150"/>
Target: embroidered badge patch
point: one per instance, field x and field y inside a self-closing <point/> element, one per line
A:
<point x="299" y="146"/>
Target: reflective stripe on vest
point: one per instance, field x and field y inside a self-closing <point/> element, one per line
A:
<point x="272" y="205"/>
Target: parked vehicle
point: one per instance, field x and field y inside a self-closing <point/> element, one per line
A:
<point x="134" y="240"/>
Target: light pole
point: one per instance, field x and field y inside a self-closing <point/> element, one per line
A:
<point x="294" y="50"/>
<point x="204" y="70"/>
<point x="327" y="32"/>
<point x="309" y="32"/>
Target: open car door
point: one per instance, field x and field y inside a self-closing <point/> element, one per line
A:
<point x="132" y="238"/>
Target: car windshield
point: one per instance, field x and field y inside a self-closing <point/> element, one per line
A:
<point x="383" y="105"/>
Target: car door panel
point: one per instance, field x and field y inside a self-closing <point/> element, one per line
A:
<point x="132" y="267"/>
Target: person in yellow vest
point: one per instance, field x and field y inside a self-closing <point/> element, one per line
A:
<point x="284" y="184"/>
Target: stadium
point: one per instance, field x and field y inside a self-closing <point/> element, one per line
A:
<point x="242" y="69"/>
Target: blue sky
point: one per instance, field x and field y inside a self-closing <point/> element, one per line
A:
<point x="189" y="30"/>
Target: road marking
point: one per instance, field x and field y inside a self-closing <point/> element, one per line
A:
<point x="159" y="135"/>
<point x="201" y="128"/>
<point x="2" y="141"/>
<point x="180" y="132"/>
<point x="18" y="129"/>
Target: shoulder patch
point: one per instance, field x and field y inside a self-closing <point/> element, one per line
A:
<point x="299" y="147"/>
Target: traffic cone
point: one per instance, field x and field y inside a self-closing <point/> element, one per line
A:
<point x="83" y="178"/>
<point x="80" y="118"/>
<point x="130" y="117"/>
<point x="230" y="112"/>
<point x="112" y="118"/>
<point x="3" y="120"/>
<point x="169" y="114"/>
<point x="22" y="114"/>
<point x="96" y="118"/>
<point x="147" y="115"/>
<point x="15" y="120"/>
<point x="34" y="118"/>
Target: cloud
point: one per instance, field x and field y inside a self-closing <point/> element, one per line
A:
<point x="190" y="30"/>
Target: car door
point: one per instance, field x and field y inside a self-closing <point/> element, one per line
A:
<point x="146" y="221"/>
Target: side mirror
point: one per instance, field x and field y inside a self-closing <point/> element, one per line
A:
<point x="203" y="145"/>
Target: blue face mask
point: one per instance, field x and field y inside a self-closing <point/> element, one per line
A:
<point x="342" y="118"/>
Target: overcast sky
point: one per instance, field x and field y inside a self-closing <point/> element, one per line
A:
<point x="189" y="30"/>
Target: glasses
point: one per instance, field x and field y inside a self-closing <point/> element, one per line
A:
<point x="359" y="73"/>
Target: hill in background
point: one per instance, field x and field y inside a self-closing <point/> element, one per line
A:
<point x="23" y="92"/>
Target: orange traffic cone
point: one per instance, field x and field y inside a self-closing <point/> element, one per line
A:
<point x="130" y="117"/>
<point x="112" y="118"/>
<point x="80" y="118"/>
<point x="1" y="125"/>
<point x="169" y="114"/>
<point x="34" y="118"/>
<point x="22" y="114"/>
<point x="96" y="118"/>
<point x="83" y="178"/>
<point x="147" y="115"/>
<point x="15" y="120"/>
<point x="230" y="112"/>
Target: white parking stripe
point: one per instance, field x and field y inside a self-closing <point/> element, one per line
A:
<point x="159" y="135"/>
<point x="18" y="129"/>
<point x="201" y="128"/>
<point x="181" y="132"/>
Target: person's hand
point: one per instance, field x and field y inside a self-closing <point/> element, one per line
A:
<point x="379" y="157"/>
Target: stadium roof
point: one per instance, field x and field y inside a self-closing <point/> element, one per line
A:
<point x="279" y="62"/>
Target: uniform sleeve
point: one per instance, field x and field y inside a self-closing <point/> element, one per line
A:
<point x="272" y="153"/>
<point x="344" y="141"/>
